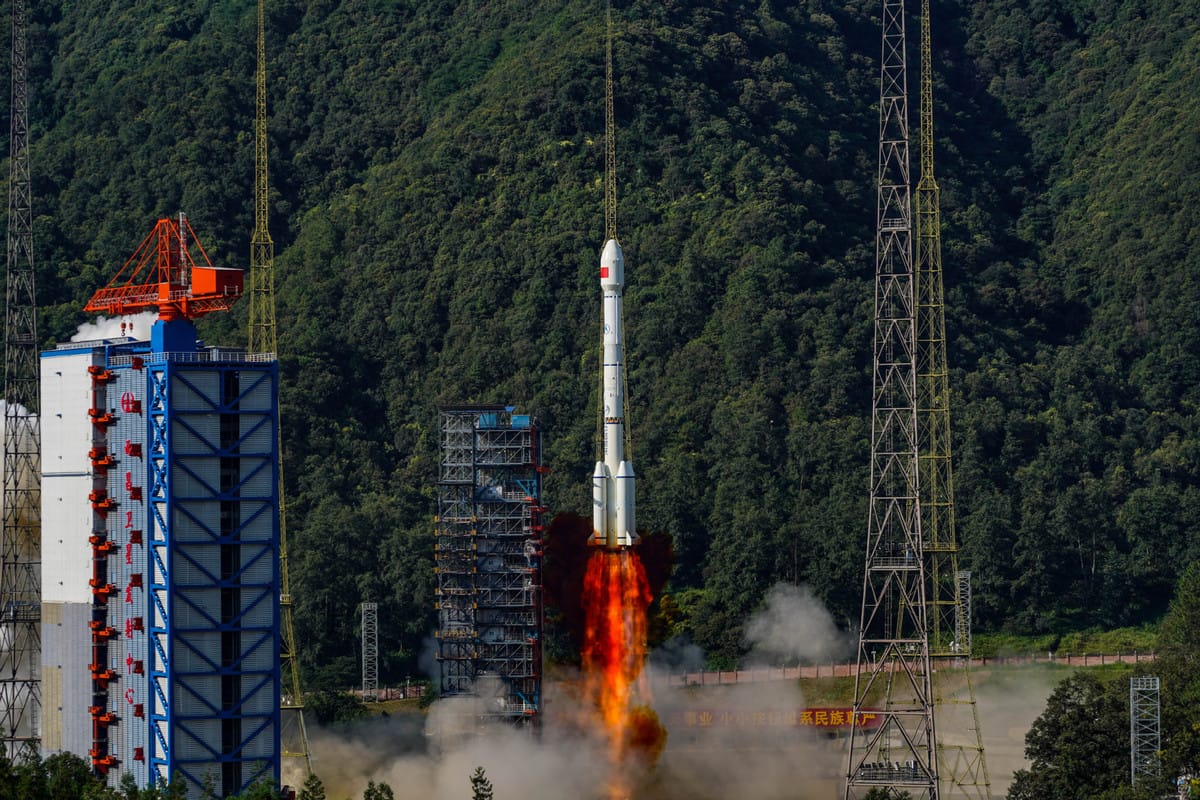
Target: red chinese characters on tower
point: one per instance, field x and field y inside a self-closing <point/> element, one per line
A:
<point x="134" y="492"/>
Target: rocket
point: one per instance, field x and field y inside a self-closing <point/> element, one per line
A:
<point x="613" y="524"/>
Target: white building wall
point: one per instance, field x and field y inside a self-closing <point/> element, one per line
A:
<point x="66" y="567"/>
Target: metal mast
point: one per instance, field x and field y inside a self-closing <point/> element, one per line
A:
<point x="264" y="339"/>
<point x="960" y="744"/>
<point x="893" y="683"/>
<point x="20" y="539"/>
<point x="610" y="134"/>
<point x="1145" y="739"/>
<point x="610" y="219"/>
<point x="370" y="652"/>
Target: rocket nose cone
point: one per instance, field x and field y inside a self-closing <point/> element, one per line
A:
<point x="612" y="265"/>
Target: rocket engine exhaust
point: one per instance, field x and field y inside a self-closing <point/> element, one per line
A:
<point x="613" y="525"/>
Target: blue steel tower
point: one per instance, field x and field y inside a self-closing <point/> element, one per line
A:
<point x="162" y="645"/>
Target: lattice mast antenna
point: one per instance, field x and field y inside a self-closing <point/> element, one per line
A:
<point x="1145" y="737"/>
<point x="893" y="673"/>
<point x="370" y="652"/>
<point x="610" y="134"/>
<point x="963" y="766"/>
<point x="610" y="218"/>
<point x="20" y="548"/>
<point x="263" y="338"/>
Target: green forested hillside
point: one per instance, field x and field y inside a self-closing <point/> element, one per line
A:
<point x="437" y="208"/>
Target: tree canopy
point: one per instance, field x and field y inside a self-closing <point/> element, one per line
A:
<point x="437" y="211"/>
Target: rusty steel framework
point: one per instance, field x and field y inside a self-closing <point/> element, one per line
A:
<point x="894" y="678"/>
<point x="263" y="338"/>
<point x="20" y="539"/>
<point x="963" y="766"/>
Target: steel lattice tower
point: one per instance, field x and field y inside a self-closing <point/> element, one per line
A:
<point x="960" y="746"/>
<point x="264" y="339"/>
<point x="1144" y="735"/>
<point x="488" y="554"/>
<point x="893" y="680"/>
<point x="20" y="548"/>
<point x="610" y="133"/>
<point x="370" y="651"/>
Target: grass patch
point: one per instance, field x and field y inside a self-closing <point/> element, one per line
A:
<point x="1121" y="640"/>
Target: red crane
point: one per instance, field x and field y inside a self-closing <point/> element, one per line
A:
<point x="163" y="275"/>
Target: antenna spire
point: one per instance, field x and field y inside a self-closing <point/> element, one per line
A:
<point x="263" y="338"/>
<point x="610" y="135"/>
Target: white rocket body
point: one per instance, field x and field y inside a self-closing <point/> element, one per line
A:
<point x="613" y="523"/>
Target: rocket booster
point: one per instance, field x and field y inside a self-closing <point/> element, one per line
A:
<point x="612" y="482"/>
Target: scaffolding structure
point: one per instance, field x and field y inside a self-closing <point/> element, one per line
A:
<point x="488" y="554"/>
<point x="20" y="538"/>
<point x="894" y="678"/>
<point x="370" y="652"/>
<point x="1145" y="739"/>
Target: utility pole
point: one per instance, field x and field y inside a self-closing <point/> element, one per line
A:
<point x="20" y="539"/>
<point x="892" y="738"/>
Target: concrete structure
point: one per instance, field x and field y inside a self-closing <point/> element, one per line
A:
<point x="160" y="568"/>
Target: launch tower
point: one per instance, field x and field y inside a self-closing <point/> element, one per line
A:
<point x="489" y="551"/>
<point x="893" y="651"/>
<point x="161" y="579"/>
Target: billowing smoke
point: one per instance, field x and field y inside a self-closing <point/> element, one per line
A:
<point x="741" y="740"/>
<point x="136" y="325"/>
<point x="433" y="757"/>
<point x="794" y="628"/>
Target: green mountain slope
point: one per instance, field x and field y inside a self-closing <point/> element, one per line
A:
<point x="436" y="173"/>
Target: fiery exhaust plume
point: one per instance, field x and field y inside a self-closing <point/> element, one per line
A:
<point x="616" y="595"/>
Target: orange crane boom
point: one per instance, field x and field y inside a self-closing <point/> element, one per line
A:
<point x="163" y="275"/>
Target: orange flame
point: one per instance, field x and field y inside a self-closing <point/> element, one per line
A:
<point x="616" y="595"/>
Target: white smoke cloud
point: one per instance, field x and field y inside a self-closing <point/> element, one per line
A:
<point x="739" y="741"/>
<point x="794" y="627"/>
<point x="137" y="326"/>
<point x="433" y="756"/>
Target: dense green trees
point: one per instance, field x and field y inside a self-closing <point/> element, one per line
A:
<point x="1079" y="746"/>
<point x="437" y="210"/>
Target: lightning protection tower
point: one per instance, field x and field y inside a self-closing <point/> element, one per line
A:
<point x="963" y="767"/>
<point x="370" y="651"/>
<point x="264" y="339"/>
<point x="893" y="674"/>
<point x="20" y="539"/>
<point x="1144" y="736"/>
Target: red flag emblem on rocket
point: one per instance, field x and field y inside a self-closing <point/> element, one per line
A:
<point x="603" y="272"/>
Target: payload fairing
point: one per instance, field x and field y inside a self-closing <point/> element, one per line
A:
<point x="613" y="523"/>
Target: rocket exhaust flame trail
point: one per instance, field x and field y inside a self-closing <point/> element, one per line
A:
<point x="616" y="595"/>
